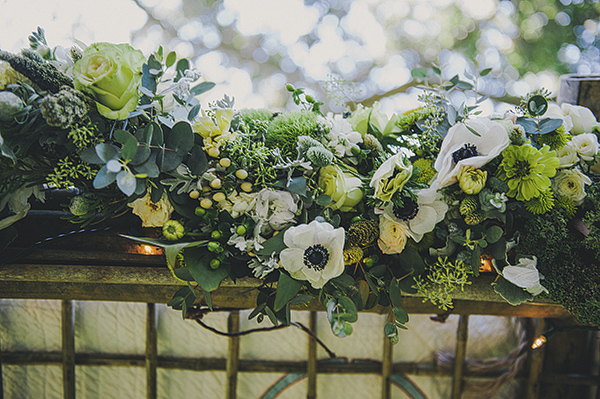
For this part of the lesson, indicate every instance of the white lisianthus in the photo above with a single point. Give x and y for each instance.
(392, 235)
(153, 214)
(275, 209)
(341, 138)
(491, 141)
(525, 275)
(571, 183)
(586, 145)
(567, 155)
(583, 119)
(314, 252)
(391, 176)
(238, 204)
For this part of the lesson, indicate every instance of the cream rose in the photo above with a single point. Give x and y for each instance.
(111, 74)
(391, 176)
(153, 214)
(392, 235)
(586, 145)
(571, 183)
(343, 188)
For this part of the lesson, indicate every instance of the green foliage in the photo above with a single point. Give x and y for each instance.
(284, 130)
(441, 282)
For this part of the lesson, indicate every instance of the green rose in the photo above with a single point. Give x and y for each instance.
(361, 117)
(111, 73)
(342, 187)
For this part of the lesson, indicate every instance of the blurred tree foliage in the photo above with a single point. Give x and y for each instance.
(375, 43)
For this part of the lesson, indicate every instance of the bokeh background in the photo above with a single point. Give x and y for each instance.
(251, 49)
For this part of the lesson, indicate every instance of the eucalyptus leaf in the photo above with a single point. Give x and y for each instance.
(182, 66)
(323, 200)
(395, 294)
(129, 149)
(197, 161)
(106, 152)
(493, 234)
(400, 314)
(148, 167)
(126, 182)
(141, 155)
(180, 138)
(548, 125)
(207, 298)
(510, 292)
(104, 178)
(202, 88)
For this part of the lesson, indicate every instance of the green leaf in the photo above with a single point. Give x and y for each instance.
(197, 161)
(171, 58)
(323, 200)
(180, 138)
(419, 73)
(149, 168)
(176, 302)
(400, 315)
(406, 285)
(350, 313)
(202, 88)
(271, 315)
(300, 299)
(106, 152)
(493, 234)
(184, 274)
(510, 292)
(193, 112)
(273, 245)
(476, 260)
(182, 65)
(390, 330)
(207, 298)
(499, 249)
(197, 261)
(104, 178)
(411, 260)
(122, 136)
(395, 294)
(129, 149)
(548, 125)
(126, 182)
(89, 155)
(296, 185)
(141, 155)
(485, 72)
(537, 105)
(287, 288)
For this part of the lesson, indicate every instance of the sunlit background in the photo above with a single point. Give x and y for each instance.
(251, 49)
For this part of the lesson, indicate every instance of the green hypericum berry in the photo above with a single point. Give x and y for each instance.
(199, 211)
(215, 263)
(216, 234)
(214, 246)
(241, 230)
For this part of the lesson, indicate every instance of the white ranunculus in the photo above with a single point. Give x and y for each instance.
(571, 183)
(525, 275)
(567, 156)
(583, 119)
(314, 252)
(490, 142)
(586, 145)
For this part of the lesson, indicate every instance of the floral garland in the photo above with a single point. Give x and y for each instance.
(351, 209)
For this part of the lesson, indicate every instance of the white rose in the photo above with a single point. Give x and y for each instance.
(583, 119)
(586, 145)
(276, 207)
(567, 156)
(571, 183)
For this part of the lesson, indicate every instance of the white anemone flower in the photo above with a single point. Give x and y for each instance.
(491, 140)
(525, 275)
(430, 209)
(314, 252)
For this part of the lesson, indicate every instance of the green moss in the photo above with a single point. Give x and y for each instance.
(254, 120)
(284, 130)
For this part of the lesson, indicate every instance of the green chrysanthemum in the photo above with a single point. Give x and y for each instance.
(541, 204)
(284, 130)
(425, 171)
(527, 170)
(363, 233)
(352, 255)
(566, 204)
(408, 119)
(556, 139)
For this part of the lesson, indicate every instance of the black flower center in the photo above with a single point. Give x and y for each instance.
(316, 257)
(408, 211)
(467, 151)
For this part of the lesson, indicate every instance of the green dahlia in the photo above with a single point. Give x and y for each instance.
(527, 170)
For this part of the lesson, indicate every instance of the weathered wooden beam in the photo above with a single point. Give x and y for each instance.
(151, 352)
(462, 333)
(68, 349)
(535, 363)
(233, 356)
(311, 368)
(386, 368)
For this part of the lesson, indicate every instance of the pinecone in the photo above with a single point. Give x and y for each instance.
(363, 233)
(469, 205)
